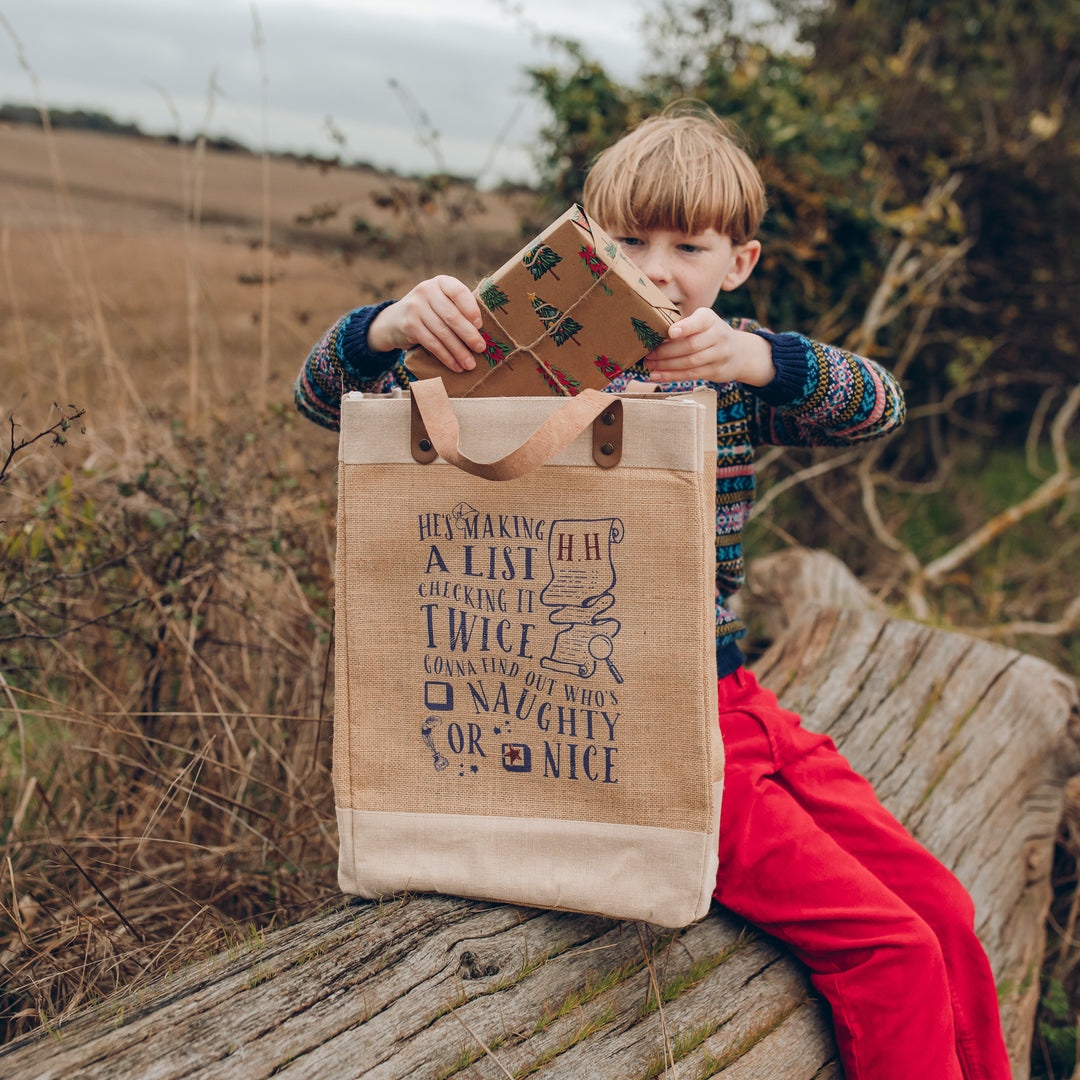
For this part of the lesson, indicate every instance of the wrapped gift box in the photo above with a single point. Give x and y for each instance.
(569, 311)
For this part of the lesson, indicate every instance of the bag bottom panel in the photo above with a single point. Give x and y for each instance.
(661, 876)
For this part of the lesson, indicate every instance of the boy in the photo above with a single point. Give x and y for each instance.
(807, 852)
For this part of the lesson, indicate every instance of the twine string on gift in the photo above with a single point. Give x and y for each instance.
(530, 348)
(551, 374)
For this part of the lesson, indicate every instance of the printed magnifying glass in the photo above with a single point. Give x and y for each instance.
(601, 648)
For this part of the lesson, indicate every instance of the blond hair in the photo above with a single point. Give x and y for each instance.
(684, 169)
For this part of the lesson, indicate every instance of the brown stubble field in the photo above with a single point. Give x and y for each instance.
(166, 586)
(83, 212)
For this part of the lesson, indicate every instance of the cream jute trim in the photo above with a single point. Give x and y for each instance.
(663, 876)
(657, 434)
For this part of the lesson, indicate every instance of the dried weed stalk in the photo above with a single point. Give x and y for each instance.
(74, 259)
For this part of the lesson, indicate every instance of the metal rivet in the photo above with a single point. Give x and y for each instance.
(425, 445)
(608, 418)
(607, 449)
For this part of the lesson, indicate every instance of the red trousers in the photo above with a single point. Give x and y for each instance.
(808, 854)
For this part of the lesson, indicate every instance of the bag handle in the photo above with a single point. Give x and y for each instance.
(435, 432)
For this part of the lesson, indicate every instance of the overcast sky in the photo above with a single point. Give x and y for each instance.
(460, 61)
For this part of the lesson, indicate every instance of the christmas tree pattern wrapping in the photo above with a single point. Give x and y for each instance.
(568, 311)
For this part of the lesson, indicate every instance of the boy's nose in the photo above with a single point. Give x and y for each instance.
(656, 266)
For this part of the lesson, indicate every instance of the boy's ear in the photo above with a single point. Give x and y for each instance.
(744, 257)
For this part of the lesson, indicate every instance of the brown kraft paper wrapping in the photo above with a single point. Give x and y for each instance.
(568, 312)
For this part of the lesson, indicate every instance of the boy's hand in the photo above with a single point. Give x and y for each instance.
(440, 314)
(703, 346)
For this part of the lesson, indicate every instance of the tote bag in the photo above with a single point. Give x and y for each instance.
(525, 669)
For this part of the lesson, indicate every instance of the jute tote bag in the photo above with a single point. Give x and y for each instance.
(525, 686)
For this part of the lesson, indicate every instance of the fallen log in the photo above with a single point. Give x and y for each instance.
(967, 742)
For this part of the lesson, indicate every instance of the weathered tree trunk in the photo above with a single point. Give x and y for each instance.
(968, 743)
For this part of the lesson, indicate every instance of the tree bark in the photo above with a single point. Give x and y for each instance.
(968, 743)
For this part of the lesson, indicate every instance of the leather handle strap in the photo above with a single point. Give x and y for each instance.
(435, 430)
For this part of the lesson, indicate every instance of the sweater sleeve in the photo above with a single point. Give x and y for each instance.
(342, 361)
(822, 395)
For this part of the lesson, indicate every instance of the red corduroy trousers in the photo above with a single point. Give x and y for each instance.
(808, 854)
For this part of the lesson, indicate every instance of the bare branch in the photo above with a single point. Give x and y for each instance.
(1065, 625)
(891, 281)
(56, 430)
(928, 279)
(801, 477)
(877, 524)
(1060, 425)
(915, 338)
(1038, 421)
(1055, 488)
(976, 386)
(911, 271)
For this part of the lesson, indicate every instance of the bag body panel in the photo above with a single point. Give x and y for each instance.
(468, 638)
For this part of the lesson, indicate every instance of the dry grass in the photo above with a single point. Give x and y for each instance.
(166, 709)
(165, 577)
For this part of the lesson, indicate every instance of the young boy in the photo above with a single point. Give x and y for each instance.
(807, 852)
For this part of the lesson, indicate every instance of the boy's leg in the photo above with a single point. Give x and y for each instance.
(828, 789)
(883, 964)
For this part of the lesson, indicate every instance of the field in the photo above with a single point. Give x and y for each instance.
(153, 237)
(165, 606)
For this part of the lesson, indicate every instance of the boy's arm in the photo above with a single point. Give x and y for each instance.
(441, 315)
(798, 392)
(342, 361)
(363, 349)
(821, 395)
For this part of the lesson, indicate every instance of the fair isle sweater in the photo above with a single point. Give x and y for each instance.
(821, 396)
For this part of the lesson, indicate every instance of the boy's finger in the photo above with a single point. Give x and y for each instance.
(683, 328)
(463, 300)
(694, 323)
(443, 342)
(670, 375)
(671, 350)
(459, 321)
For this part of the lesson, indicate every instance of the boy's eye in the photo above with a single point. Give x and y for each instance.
(627, 241)
(689, 247)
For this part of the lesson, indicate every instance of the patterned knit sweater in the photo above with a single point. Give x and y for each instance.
(821, 396)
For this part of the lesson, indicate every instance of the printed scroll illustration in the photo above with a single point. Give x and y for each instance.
(579, 593)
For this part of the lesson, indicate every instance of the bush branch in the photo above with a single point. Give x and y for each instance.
(58, 431)
(1057, 486)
